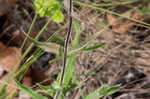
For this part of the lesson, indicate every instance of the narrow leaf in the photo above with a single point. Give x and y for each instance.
(102, 91)
(29, 91)
(46, 46)
(76, 28)
(94, 47)
(48, 89)
(57, 39)
(33, 40)
(51, 47)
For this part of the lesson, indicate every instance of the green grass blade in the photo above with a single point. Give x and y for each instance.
(94, 47)
(26, 65)
(57, 39)
(51, 47)
(46, 46)
(48, 89)
(79, 47)
(37, 43)
(102, 91)
(29, 31)
(111, 12)
(114, 3)
(3, 93)
(127, 2)
(29, 91)
(29, 48)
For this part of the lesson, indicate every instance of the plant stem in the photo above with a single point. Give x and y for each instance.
(36, 38)
(30, 47)
(29, 31)
(65, 49)
(66, 44)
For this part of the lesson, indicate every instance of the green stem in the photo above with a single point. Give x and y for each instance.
(114, 3)
(38, 52)
(30, 47)
(65, 49)
(36, 38)
(29, 31)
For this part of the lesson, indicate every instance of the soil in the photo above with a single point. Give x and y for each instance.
(125, 59)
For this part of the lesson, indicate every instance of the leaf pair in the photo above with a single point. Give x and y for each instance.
(29, 91)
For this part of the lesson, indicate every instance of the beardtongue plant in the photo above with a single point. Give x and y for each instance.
(65, 83)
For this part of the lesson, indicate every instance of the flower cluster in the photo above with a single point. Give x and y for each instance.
(50, 8)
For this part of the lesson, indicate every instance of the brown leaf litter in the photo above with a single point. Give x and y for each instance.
(123, 25)
(9, 58)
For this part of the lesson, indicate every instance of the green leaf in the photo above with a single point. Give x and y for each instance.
(76, 28)
(58, 16)
(69, 77)
(102, 91)
(37, 43)
(3, 93)
(81, 46)
(50, 8)
(29, 91)
(57, 40)
(94, 47)
(51, 47)
(48, 89)
(70, 65)
(46, 46)
(3, 89)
